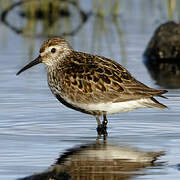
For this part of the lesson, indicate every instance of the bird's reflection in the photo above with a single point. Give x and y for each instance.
(98, 160)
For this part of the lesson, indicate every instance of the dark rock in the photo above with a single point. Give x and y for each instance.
(162, 55)
(165, 43)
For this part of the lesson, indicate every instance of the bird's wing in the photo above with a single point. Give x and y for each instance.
(97, 79)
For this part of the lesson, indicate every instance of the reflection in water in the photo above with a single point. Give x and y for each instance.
(166, 73)
(44, 18)
(178, 167)
(134, 26)
(99, 161)
(102, 35)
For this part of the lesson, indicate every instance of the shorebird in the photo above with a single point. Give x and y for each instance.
(92, 84)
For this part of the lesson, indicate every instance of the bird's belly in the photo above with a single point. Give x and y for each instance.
(111, 108)
(100, 108)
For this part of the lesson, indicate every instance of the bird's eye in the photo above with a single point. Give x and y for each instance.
(53, 50)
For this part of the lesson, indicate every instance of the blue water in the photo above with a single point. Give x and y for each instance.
(35, 128)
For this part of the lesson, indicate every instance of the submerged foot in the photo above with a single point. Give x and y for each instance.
(102, 129)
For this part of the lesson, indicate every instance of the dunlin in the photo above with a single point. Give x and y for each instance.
(92, 84)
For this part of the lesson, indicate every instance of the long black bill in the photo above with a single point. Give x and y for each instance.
(32, 63)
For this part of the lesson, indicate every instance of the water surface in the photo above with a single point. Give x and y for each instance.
(35, 128)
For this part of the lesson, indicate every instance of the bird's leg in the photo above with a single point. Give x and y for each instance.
(98, 120)
(104, 125)
(105, 121)
(101, 129)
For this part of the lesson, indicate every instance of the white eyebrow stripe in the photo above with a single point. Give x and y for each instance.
(49, 49)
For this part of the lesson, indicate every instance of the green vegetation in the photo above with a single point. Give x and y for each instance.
(48, 18)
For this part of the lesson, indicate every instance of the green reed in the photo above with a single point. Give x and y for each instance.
(171, 4)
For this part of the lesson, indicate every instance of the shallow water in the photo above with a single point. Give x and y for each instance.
(35, 128)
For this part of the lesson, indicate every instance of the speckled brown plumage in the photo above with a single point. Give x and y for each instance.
(97, 79)
(92, 84)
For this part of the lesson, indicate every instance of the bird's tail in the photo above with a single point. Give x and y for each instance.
(153, 103)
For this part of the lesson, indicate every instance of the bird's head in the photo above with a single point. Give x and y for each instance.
(51, 52)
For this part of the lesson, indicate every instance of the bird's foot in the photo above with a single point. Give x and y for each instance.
(102, 129)
(105, 122)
